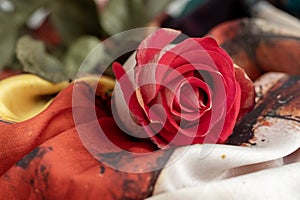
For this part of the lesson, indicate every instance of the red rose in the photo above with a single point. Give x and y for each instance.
(181, 93)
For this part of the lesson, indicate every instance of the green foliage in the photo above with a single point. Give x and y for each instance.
(73, 19)
(121, 15)
(11, 21)
(80, 25)
(77, 52)
(32, 54)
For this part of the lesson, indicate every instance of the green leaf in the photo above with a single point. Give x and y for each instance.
(32, 55)
(12, 20)
(75, 18)
(77, 52)
(121, 15)
(8, 39)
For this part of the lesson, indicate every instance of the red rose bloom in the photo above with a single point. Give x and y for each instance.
(181, 93)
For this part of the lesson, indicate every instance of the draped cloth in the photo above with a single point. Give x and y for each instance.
(44, 157)
(267, 167)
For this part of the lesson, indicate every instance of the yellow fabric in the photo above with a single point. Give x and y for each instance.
(24, 96)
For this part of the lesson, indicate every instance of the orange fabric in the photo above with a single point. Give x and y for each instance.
(44, 158)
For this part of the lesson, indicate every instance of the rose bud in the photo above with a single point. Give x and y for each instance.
(180, 91)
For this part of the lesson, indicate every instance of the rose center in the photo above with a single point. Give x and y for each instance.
(192, 99)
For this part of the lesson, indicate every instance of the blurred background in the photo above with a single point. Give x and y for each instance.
(51, 38)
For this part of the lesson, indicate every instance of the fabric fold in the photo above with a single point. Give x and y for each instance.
(264, 166)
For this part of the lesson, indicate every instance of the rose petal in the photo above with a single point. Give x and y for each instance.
(129, 93)
(147, 81)
(153, 44)
(247, 89)
(187, 48)
(191, 103)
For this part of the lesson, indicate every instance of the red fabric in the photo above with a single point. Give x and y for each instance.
(7, 73)
(44, 158)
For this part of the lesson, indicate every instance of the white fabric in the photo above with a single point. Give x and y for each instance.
(262, 171)
(277, 183)
(270, 169)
